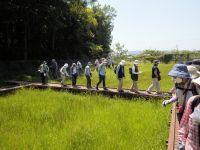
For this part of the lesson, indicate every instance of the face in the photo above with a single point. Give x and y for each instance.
(177, 80)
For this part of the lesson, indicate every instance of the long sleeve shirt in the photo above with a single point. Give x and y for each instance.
(101, 70)
(87, 71)
(63, 70)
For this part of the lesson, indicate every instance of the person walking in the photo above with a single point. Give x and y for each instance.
(134, 76)
(54, 69)
(79, 67)
(155, 78)
(74, 74)
(44, 70)
(88, 74)
(96, 64)
(64, 74)
(102, 74)
(120, 75)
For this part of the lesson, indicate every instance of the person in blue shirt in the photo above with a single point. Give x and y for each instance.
(102, 74)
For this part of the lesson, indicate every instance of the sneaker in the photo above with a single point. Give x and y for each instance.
(121, 91)
(158, 93)
(148, 92)
(105, 88)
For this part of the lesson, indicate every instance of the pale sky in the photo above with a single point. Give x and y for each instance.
(156, 24)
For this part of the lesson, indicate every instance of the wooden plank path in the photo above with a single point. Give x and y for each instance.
(173, 132)
(110, 92)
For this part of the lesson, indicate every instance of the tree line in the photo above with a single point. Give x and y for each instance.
(60, 29)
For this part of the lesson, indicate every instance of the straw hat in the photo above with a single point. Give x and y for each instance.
(179, 70)
(193, 71)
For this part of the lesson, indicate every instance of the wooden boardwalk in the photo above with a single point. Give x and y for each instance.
(110, 92)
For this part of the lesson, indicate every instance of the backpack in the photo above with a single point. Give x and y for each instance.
(115, 70)
(130, 70)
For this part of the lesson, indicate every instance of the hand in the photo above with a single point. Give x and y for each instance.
(165, 102)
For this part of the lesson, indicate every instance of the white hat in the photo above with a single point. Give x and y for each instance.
(136, 62)
(197, 80)
(66, 65)
(122, 62)
(193, 71)
(105, 61)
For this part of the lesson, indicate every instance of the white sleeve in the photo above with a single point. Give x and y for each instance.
(133, 70)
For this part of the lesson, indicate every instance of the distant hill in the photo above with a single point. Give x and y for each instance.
(137, 52)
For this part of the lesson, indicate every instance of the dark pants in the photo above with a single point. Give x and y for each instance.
(74, 77)
(88, 81)
(43, 78)
(179, 116)
(54, 74)
(101, 78)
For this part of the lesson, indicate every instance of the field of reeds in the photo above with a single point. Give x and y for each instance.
(45, 119)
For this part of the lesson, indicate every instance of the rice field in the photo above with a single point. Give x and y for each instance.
(34, 119)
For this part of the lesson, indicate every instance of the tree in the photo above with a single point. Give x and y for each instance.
(120, 51)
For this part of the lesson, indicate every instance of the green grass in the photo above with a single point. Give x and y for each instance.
(144, 78)
(33, 119)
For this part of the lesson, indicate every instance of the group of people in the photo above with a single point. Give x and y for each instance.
(186, 92)
(75, 70)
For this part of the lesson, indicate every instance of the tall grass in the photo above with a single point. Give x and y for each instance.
(33, 119)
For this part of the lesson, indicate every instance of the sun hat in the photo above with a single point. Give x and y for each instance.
(136, 62)
(197, 80)
(156, 61)
(179, 70)
(193, 71)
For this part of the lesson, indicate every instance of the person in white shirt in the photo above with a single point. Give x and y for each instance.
(134, 76)
(74, 73)
(64, 74)
(88, 75)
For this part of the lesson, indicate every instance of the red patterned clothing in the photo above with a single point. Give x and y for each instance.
(193, 139)
(184, 126)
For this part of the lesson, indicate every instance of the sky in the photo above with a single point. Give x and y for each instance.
(156, 24)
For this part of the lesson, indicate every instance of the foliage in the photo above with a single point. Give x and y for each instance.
(119, 51)
(33, 119)
(58, 29)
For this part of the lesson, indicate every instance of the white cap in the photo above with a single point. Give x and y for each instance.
(136, 62)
